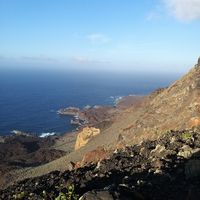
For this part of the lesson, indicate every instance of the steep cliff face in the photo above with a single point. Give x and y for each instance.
(85, 136)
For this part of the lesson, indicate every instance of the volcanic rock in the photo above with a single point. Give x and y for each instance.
(85, 136)
(136, 172)
(97, 195)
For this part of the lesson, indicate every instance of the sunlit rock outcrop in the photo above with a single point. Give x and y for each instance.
(85, 136)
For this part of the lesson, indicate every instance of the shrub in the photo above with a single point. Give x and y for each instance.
(186, 136)
(71, 195)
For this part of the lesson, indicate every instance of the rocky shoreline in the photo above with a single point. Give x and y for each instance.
(94, 115)
(168, 168)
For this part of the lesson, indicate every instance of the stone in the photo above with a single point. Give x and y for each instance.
(158, 171)
(157, 163)
(160, 152)
(97, 195)
(85, 136)
(186, 151)
(173, 139)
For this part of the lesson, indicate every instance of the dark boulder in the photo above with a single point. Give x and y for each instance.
(97, 195)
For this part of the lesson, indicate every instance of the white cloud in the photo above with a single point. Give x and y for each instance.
(98, 38)
(184, 10)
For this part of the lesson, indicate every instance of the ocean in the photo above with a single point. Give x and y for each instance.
(29, 100)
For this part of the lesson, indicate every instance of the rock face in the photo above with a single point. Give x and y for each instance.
(151, 170)
(198, 63)
(85, 136)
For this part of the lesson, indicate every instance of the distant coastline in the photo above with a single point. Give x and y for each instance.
(89, 115)
(32, 106)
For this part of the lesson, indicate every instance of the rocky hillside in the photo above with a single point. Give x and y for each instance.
(19, 151)
(176, 107)
(167, 168)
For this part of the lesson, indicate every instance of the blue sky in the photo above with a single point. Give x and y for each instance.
(128, 35)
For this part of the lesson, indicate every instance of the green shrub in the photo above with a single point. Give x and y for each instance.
(186, 136)
(20, 195)
(70, 195)
(61, 196)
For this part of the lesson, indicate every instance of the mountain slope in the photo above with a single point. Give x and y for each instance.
(176, 107)
(168, 168)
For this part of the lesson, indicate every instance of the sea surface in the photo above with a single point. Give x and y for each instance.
(29, 99)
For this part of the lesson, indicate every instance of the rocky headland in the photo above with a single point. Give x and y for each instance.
(100, 116)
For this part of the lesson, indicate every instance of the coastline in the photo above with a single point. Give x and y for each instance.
(94, 115)
(31, 150)
(86, 116)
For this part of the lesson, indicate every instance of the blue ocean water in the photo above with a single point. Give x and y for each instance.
(29, 100)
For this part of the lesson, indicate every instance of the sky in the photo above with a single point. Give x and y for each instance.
(115, 35)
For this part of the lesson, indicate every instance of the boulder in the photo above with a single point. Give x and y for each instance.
(97, 195)
(186, 151)
(160, 152)
(85, 136)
